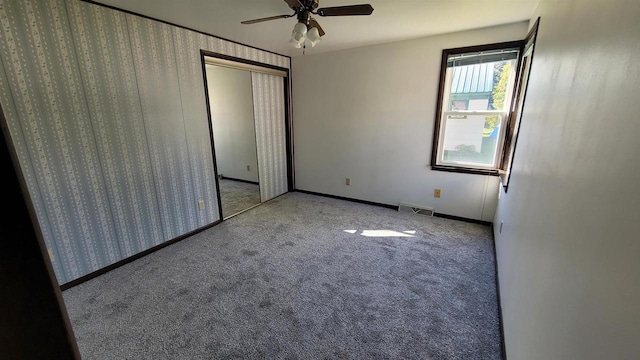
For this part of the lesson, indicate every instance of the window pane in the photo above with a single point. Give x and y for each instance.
(471, 139)
(485, 56)
(478, 104)
(481, 86)
(475, 95)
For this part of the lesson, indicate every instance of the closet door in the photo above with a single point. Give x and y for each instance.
(269, 113)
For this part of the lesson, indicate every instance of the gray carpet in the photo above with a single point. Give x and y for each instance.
(237, 196)
(286, 281)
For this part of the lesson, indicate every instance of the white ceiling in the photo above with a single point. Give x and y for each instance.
(391, 20)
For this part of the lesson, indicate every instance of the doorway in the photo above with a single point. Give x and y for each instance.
(248, 108)
(233, 123)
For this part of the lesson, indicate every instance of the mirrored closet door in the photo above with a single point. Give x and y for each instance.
(247, 103)
(234, 138)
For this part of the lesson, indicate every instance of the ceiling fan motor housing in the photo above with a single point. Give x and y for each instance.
(304, 12)
(304, 16)
(307, 4)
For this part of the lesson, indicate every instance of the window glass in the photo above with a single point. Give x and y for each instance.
(465, 141)
(476, 98)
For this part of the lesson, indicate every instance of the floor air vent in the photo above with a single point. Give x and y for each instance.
(403, 207)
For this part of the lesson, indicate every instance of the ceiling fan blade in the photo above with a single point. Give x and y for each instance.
(314, 24)
(247, 22)
(294, 3)
(364, 9)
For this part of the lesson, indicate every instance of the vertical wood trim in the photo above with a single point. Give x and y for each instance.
(35, 320)
(213, 146)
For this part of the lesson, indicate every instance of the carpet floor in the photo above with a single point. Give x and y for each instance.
(237, 196)
(300, 277)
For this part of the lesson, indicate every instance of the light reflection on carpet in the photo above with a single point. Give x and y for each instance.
(383, 233)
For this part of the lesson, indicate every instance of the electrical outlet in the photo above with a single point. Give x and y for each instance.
(437, 193)
(348, 182)
(248, 168)
(201, 205)
(500, 231)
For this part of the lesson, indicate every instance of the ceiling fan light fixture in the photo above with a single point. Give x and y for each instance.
(307, 27)
(296, 44)
(313, 35)
(297, 35)
(300, 29)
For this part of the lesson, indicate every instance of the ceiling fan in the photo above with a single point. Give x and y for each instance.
(307, 27)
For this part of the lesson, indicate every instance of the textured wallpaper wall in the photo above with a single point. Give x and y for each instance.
(269, 114)
(108, 115)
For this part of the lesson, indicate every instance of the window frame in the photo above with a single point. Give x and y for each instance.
(518, 102)
(437, 135)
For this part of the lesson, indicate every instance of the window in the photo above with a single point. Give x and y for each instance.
(513, 127)
(474, 104)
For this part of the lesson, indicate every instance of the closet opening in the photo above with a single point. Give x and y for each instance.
(248, 107)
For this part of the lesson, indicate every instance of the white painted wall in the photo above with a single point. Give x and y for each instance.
(231, 101)
(368, 114)
(569, 251)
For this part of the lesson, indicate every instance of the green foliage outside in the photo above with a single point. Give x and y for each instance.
(501, 78)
